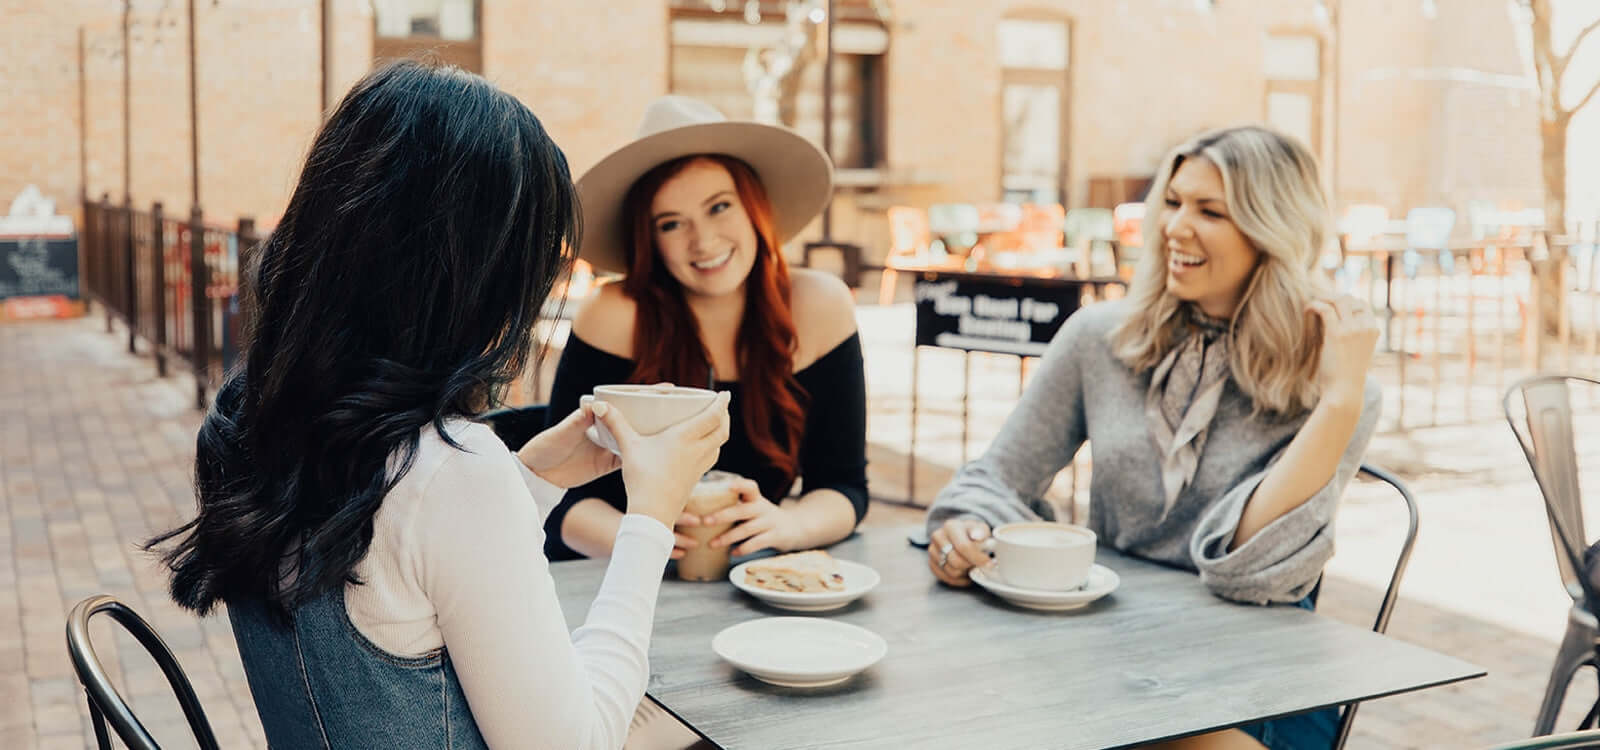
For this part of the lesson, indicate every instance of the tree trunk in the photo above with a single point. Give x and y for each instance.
(1548, 292)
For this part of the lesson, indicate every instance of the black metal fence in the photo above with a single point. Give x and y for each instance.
(176, 294)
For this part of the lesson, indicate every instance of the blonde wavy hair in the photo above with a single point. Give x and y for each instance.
(1276, 200)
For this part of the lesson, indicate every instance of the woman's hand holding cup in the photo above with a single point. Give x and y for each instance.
(955, 548)
(659, 470)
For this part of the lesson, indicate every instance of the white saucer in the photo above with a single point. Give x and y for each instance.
(800, 652)
(858, 580)
(1102, 581)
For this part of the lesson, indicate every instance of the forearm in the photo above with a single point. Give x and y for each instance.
(590, 527)
(821, 517)
(1307, 465)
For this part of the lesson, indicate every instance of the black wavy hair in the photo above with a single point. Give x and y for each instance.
(430, 222)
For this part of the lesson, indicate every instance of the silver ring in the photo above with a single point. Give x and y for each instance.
(944, 553)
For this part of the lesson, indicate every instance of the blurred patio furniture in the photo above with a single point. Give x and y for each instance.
(954, 227)
(105, 703)
(1392, 594)
(909, 248)
(1127, 221)
(1544, 430)
(1090, 230)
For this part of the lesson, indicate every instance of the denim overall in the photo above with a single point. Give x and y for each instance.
(318, 683)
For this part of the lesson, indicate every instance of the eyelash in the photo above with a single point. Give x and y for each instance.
(716, 208)
(1208, 212)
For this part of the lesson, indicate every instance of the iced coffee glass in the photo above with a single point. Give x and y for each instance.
(712, 493)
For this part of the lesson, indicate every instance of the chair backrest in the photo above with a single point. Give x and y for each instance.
(1392, 594)
(908, 231)
(1568, 741)
(105, 703)
(1546, 436)
(516, 425)
(1429, 227)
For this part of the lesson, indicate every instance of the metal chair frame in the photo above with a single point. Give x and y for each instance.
(1546, 438)
(1572, 741)
(516, 425)
(105, 703)
(1392, 594)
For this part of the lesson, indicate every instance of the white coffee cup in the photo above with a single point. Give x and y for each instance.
(649, 409)
(1042, 555)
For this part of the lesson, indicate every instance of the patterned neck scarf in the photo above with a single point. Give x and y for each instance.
(1185, 389)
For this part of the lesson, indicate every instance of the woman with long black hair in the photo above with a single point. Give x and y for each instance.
(379, 552)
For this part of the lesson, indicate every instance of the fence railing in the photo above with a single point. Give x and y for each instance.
(177, 295)
(1462, 323)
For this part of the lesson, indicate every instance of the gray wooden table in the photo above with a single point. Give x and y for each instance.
(1160, 658)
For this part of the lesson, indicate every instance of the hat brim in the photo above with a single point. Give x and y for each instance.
(797, 176)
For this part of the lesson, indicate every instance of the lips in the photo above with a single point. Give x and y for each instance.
(713, 263)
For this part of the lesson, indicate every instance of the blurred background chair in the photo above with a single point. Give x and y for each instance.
(954, 227)
(1092, 233)
(908, 247)
(1127, 222)
(1543, 427)
(105, 703)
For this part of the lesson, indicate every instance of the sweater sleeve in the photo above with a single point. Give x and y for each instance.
(1282, 562)
(582, 367)
(833, 452)
(1044, 431)
(527, 681)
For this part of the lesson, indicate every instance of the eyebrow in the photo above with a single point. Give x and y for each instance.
(1200, 200)
(714, 196)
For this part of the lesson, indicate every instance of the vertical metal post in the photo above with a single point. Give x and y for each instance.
(966, 396)
(102, 247)
(911, 451)
(130, 285)
(200, 311)
(194, 117)
(327, 55)
(83, 123)
(127, 101)
(158, 275)
(827, 114)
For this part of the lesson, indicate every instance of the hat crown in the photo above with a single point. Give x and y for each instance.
(669, 112)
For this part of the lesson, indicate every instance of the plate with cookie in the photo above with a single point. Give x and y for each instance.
(811, 581)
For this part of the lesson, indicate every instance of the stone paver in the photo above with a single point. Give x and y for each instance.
(95, 455)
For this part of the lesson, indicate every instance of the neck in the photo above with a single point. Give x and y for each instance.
(719, 313)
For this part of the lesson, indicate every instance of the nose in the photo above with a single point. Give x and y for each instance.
(1178, 224)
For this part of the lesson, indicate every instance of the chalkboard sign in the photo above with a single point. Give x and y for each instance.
(1003, 315)
(35, 266)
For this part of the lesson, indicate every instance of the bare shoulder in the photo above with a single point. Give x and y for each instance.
(606, 321)
(824, 313)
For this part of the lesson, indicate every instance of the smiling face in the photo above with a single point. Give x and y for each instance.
(702, 233)
(1209, 261)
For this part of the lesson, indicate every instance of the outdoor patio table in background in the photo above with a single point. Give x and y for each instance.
(1159, 658)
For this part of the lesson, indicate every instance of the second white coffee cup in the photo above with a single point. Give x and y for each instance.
(1042, 555)
(649, 409)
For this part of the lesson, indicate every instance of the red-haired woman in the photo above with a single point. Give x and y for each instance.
(694, 212)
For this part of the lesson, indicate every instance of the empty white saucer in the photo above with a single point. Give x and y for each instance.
(800, 652)
(1102, 581)
(858, 580)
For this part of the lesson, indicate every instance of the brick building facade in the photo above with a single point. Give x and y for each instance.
(1430, 110)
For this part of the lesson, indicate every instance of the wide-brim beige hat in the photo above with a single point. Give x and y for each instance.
(796, 174)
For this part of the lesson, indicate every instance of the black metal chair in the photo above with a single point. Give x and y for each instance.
(516, 425)
(1391, 595)
(105, 703)
(1571, 741)
(1547, 439)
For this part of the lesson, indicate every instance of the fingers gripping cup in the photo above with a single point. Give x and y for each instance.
(649, 409)
(714, 492)
(1042, 555)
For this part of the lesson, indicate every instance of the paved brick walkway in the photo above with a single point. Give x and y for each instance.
(95, 454)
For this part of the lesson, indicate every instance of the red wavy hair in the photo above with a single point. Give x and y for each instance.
(667, 345)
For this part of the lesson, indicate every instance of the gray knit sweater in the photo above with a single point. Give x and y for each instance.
(1081, 391)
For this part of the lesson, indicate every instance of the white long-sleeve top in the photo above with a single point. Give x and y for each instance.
(457, 561)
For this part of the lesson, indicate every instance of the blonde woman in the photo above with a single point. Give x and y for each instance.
(1226, 398)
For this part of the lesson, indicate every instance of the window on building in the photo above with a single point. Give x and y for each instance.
(1034, 55)
(1293, 67)
(446, 28)
(721, 52)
